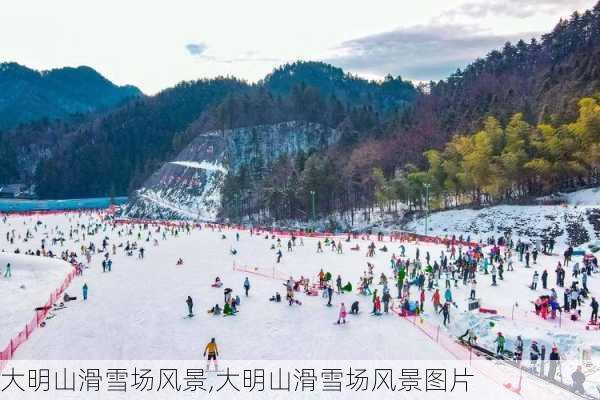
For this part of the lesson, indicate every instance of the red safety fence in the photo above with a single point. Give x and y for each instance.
(259, 230)
(436, 334)
(8, 353)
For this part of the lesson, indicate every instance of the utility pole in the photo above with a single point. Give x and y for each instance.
(427, 186)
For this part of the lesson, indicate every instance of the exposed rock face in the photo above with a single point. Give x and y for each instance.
(190, 185)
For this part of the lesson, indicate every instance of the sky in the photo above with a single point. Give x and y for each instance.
(156, 44)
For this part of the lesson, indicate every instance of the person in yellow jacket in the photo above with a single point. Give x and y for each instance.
(213, 351)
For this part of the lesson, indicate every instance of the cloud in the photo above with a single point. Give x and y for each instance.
(200, 50)
(421, 52)
(513, 8)
(196, 49)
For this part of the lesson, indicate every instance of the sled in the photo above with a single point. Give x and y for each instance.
(488, 311)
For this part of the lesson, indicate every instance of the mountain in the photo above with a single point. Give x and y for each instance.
(114, 152)
(28, 95)
(385, 96)
(372, 136)
(191, 185)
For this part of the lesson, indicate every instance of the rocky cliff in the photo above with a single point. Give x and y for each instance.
(189, 186)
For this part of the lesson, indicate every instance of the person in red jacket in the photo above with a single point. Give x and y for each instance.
(436, 300)
(377, 310)
(422, 299)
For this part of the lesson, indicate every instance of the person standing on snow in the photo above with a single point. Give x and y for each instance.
(7, 271)
(554, 359)
(534, 281)
(500, 347)
(545, 279)
(213, 352)
(436, 299)
(190, 305)
(342, 314)
(246, 285)
(386, 301)
(338, 283)
(594, 316)
(85, 291)
(329, 290)
(445, 311)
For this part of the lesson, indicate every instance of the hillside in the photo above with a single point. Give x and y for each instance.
(132, 142)
(28, 95)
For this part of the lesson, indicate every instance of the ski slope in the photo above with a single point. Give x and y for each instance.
(137, 311)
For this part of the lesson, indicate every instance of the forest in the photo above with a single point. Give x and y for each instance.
(500, 130)
(516, 123)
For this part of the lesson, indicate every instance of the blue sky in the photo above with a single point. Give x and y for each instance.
(155, 44)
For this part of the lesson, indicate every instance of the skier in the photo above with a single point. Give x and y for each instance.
(342, 314)
(246, 285)
(213, 352)
(534, 281)
(190, 305)
(279, 255)
(354, 308)
(85, 291)
(446, 313)
(594, 306)
(7, 271)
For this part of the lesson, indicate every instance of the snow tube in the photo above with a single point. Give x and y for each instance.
(347, 288)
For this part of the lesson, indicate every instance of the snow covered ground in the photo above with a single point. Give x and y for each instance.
(137, 311)
(575, 221)
(32, 281)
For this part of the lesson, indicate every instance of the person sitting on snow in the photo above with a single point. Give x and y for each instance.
(228, 309)
(354, 308)
(216, 310)
(66, 297)
(276, 298)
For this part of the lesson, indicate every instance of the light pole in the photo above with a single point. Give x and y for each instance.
(312, 193)
(427, 186)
